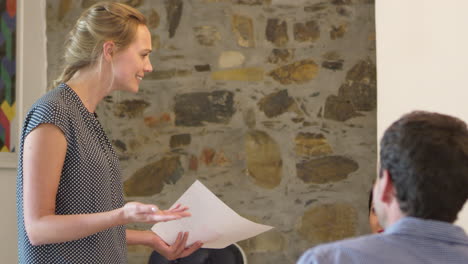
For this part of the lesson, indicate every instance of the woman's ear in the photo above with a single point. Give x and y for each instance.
(108, 49)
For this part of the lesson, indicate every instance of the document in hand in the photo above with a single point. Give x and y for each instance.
(212, 221)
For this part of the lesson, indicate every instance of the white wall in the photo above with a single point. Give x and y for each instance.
(31, 79)
(422, 60)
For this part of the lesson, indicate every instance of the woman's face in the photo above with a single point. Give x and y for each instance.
(374, 221)
(131, 64)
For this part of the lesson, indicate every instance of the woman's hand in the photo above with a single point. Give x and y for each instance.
(150, 213)
(176, 250)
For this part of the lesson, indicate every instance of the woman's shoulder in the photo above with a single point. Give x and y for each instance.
(57, 99)
(53, 107)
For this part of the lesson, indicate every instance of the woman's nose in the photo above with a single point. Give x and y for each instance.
(148, 67)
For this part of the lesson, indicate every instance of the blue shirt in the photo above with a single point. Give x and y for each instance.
(410, 240)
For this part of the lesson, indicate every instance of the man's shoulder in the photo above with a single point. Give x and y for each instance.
(344, 251)
(398, 246)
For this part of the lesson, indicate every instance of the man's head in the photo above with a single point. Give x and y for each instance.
(423, 168)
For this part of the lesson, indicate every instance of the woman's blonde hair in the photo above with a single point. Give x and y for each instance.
(101, 22)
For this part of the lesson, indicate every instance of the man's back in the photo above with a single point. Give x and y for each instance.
(410, 240)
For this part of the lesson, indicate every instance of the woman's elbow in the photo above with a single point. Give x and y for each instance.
(35, 236)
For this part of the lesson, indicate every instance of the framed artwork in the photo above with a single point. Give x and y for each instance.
(9, 125)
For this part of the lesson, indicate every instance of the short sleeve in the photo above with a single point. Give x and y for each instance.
(46, 113)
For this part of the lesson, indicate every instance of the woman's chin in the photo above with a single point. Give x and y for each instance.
(131, 89)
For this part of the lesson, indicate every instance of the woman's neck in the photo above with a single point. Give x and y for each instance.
(89, 87)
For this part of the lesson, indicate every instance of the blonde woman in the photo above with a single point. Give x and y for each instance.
(70, 202)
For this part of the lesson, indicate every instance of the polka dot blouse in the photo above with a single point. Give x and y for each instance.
(90, 182)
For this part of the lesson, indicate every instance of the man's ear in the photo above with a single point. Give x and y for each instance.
(387, 194)
(108, 50)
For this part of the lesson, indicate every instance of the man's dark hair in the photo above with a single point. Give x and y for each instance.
(426, 155)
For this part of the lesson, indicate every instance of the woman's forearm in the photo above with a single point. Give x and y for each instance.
(137, 237)
(61, 228)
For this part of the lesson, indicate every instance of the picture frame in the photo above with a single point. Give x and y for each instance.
(10, 90)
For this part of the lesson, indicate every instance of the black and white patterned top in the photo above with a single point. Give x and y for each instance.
(90, 182)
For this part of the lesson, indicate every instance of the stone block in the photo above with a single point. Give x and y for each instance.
(276, 104)
(342, 2)
(361, 86)
(154, 121)
(207, 35)
(326, 169)
(239, 74)
(277, 32)
(130, 108)
(180, 140)
(167, 74)
(298, 72)
(207, 156)
(312, 144)
(316, 7)
(193, 163)
(242, 27)
(119, 145)
(194, 109)
(264, 163)
(150, 179)
(358, 93)
(333, 65)
(202, 68)
(231, 59)
(174, 12)
(328, 222)
(309, 31)
(339, 108)
(281, 55)
(338, 31)
(251, 2)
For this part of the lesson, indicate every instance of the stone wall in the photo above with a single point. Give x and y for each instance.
(270, 103)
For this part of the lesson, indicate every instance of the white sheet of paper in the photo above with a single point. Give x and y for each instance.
(212, 221)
